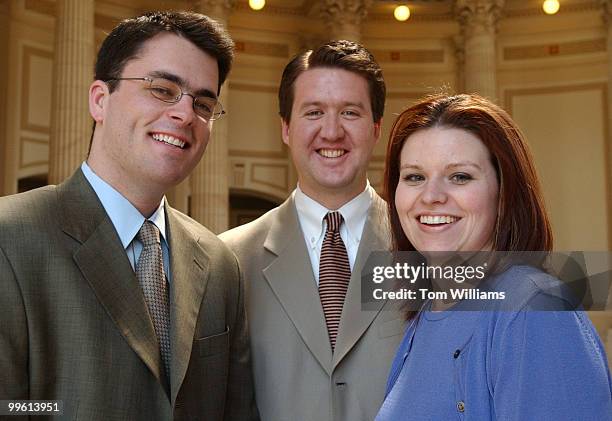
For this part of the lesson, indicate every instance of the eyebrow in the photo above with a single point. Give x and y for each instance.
(449, 166)
(344, 104)
(181, 82)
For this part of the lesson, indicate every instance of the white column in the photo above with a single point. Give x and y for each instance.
(478, 19)
(72, 74)
(343, 18)
(209, 181)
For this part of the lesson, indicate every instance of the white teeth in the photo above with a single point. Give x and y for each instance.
(331, 153)
(169, 140)
(432, 220)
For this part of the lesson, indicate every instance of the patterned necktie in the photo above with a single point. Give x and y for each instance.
(334, 275)
(152, 279)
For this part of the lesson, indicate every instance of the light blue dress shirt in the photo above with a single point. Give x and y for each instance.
(127, 220)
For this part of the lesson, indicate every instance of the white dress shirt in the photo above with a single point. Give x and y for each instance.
(311, 214)
(126, 219)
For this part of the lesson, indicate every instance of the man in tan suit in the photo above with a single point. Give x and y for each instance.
(307, 365)
(113, 302)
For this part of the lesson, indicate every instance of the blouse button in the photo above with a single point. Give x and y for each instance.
(456, 354)
(460, 406)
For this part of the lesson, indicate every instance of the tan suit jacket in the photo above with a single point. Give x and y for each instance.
(296, 375)
(75, 326)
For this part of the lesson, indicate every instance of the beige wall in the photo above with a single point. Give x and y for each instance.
(552, 76)
(4, 64)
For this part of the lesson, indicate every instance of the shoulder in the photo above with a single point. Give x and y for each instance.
(24, 211)
(530, 288)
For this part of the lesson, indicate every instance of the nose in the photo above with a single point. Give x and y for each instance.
(434, 192)
(332, 128)
(182, 111)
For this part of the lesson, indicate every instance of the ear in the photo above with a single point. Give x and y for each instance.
(98, 96)
(377, 129)
(285, 131)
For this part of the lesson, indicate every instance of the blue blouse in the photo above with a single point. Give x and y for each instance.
(514, 364)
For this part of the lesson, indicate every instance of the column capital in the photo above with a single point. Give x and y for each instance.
(343, 13)
(478, 16)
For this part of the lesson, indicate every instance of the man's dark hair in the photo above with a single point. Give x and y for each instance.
(126, 40)
(347, 55)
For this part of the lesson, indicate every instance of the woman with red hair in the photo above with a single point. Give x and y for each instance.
(460, 178)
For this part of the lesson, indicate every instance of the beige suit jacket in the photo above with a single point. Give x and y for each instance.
(75, 326)
(296, 375)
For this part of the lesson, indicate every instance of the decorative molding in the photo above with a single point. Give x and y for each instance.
(596, 86)
(238, 174)
(283, 186)
(26, 53)
(302, 11)
(527, 52)
(44, 7)
(409, 56)
(22, 163)
(509, 94)
(419, 18)
(565, 8)
(262, 48)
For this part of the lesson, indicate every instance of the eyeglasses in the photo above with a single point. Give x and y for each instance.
(207, 108)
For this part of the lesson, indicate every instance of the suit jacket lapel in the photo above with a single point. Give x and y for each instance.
(189, 264)
(290, 277)
(104, 264)
(355, 321)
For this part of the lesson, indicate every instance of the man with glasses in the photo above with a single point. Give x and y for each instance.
(113, 303)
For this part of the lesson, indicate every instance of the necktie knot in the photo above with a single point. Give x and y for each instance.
(334, 220)
(148, 234)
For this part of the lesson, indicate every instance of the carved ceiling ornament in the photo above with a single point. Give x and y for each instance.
(344, 12)
(478, 16)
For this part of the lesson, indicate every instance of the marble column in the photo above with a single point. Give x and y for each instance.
(209, 181)
(607, 18)
(478, 19)
(72, 75)
(343, 18)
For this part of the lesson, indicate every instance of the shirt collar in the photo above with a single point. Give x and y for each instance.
(126, 219)
(312, 212)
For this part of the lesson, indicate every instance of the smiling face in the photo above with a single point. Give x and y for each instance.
(143, 146)
(331, 134)
(447, 195)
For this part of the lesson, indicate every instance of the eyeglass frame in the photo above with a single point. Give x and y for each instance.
(177, 98)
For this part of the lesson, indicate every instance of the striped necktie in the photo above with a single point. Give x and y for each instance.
(152, 278)
(334, 275)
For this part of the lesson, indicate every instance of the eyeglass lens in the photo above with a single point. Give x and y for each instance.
(167, 91)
